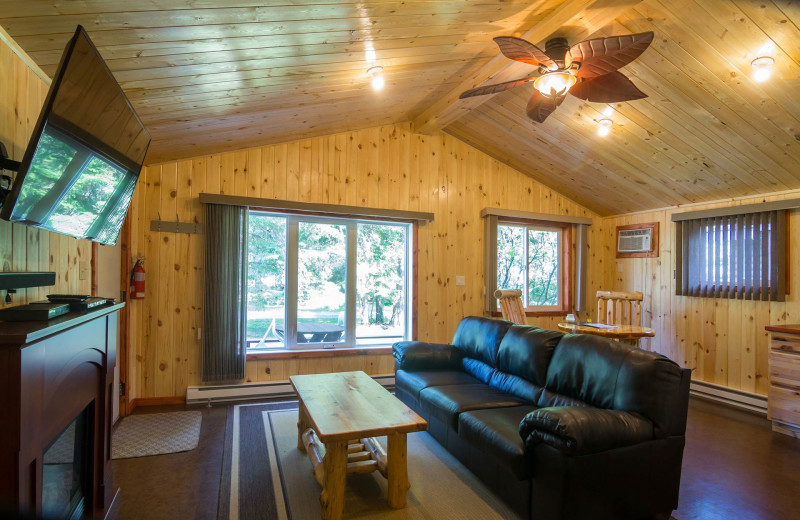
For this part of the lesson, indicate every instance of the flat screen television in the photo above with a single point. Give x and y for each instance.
(80, 168)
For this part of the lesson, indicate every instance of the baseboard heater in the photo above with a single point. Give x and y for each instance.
(729, 396)
(253, 391)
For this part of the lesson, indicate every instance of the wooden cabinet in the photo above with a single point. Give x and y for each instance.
(784, 379)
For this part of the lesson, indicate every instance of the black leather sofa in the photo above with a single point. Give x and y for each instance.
(560, 426)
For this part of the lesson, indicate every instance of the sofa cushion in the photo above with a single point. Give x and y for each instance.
(495, 432)
(415, 382)
(526, 352)
(612, 375)
(447, 402)
(479, 338)
(585, 367)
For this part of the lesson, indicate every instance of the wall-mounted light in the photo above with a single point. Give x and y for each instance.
(604, 127)
(762, 68)
(377, 77)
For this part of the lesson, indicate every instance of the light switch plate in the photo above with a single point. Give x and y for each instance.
(619, 267)
(461, 280)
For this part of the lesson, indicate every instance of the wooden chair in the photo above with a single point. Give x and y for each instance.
(511, 305)
(619, 308)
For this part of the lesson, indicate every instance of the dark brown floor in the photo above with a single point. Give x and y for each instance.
(734, 468)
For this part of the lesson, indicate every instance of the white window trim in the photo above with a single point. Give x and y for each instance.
(291, 283)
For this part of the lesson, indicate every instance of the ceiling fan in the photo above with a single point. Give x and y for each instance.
(587, 70)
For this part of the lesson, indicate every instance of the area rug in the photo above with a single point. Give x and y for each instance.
(156, 434)
(267, 477)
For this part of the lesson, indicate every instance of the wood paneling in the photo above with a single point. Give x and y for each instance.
(24, 248)
(706, 132)
(209, 76)
(723, 341)
(385, 167)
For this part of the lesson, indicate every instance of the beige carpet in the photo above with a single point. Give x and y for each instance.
(266, 477)
(441, 488)
(156, 434)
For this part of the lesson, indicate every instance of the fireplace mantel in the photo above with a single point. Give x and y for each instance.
(49, 373)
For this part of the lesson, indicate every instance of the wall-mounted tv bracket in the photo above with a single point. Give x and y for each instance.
(5, 180)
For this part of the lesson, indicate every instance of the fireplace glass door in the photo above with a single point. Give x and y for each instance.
(65, 473)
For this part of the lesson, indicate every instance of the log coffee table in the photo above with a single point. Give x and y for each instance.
(340, 416)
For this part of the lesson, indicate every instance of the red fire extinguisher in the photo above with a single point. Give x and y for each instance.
(137, 281)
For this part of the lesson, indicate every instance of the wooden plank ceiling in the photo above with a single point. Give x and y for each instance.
(214, 75)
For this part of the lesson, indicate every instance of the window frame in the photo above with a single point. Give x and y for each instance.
(350, 341)
(566, 268)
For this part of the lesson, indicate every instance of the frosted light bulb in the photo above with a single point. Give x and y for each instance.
(558, 81)
(762, 68)
(377, 82)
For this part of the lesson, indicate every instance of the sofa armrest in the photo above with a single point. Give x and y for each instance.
(581, 431)
(419, 355)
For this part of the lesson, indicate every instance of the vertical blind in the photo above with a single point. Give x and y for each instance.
(225, 302)
(733, 256)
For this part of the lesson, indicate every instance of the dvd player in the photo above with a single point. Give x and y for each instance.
(37, 311)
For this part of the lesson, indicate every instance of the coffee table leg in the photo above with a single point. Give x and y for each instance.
(397, 470)
(332, 497)
(302, 425)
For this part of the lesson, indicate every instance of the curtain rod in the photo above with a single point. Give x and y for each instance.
(547, 217)
(311, 207)
(737, 210)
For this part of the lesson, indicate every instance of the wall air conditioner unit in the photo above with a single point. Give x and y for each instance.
(635, 241)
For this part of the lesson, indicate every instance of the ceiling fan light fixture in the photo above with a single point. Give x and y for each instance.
(605, 127)
(558, 81)
(377, 77)
(762, 68)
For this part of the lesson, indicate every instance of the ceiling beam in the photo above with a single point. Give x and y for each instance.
(574, 20)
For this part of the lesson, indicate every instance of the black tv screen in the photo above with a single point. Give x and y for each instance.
(81, 165)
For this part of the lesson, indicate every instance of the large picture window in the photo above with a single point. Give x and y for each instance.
(317, 282)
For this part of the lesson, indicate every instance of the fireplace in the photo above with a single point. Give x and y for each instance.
(56, 382)
(66, 464)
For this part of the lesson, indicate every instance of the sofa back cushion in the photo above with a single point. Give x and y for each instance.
(526, 352)
(608, 374)
(479, 338)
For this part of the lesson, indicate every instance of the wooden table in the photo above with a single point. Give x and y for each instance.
(626, 333)
(320, 332)
(339, 417)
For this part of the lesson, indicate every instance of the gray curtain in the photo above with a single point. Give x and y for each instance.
(225, 302)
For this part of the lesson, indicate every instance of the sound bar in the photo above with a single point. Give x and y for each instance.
(25, 280)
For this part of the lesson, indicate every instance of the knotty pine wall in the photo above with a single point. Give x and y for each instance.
(723, 341)
(385, 167)
(24, 248)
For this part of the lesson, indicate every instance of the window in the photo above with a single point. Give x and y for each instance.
(732, 256)
(319, 282)
(534, 258)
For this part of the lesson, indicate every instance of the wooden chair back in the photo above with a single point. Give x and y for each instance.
(511, 305)
(619, 308)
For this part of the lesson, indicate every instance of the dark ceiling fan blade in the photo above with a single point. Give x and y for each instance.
(494, 89)
(524, 51)
(541, 106)
(613, 87)
(603, 55)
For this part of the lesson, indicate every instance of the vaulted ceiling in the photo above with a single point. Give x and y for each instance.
(214, 75)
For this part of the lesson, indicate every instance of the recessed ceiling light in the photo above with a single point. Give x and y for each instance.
(377, 77)
(605, 127)
(762, 68)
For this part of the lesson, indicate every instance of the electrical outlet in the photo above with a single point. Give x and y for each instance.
(460, 280)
